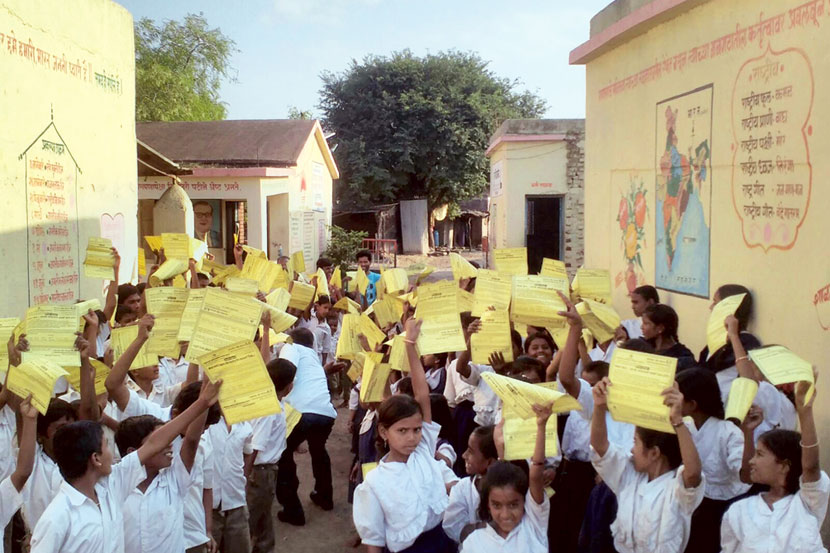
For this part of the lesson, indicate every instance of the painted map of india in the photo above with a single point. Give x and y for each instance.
(683, 192)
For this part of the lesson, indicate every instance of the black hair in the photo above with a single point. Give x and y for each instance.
(122, 311)
(132, 431)
(600, 368)
(57, 410)
(701, 386)
(405, 387)
(647, 292)
(323, 299)
(282, 373)
(786, 446)
(441, 414)
(125, 291)
(637, 344)
(467, 319)
(188, 396)
(501, 474)
(324, 262)
(662, 314)
(486, 442)
(392, 410)
(667, 443)
(525, 363)
(303, 337)
(516, 338)
(141, 286)
(540, 336)
(74, 444)
(744, 311)
(363, 253)
(102, 319)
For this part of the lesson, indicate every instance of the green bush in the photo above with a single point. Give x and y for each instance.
(344, 245)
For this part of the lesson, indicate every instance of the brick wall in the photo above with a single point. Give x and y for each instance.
(574, 255)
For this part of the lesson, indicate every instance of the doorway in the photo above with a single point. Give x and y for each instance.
(543, 229)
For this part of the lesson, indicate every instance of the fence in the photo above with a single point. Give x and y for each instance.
(384, 251)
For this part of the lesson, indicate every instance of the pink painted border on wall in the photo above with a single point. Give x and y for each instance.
(594, 46)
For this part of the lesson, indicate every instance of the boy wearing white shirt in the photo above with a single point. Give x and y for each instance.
(268, 442)
(232, 453)
(86, 515)
(11, 485)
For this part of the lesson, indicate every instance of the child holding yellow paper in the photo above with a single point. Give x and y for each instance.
(658, 487)
(11, 486)
(724, 358)
(641, 297)
(723, 455)
(788, 516)
(659, 328)
(514, 505)
(315, 319)
(401, 503)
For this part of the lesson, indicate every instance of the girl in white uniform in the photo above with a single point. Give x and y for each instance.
(787, 517)
(400, 504)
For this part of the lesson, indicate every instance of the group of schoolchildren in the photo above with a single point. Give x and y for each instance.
(152, 466)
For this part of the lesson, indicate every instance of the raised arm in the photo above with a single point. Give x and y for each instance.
(420, 388)
(599, 432)
(162, 437)
(88, 408)
(116, 388)
(190, 444)
(111, 301)
(194, 275)
(537, 462)
(809, 438)
(745, 366)
(570, 353)
(26, 443)
(462, 366)
(688, 452)
(265, 339)
(752, 421)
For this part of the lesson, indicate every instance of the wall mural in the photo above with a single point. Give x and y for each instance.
(684, 192)
(632, 217)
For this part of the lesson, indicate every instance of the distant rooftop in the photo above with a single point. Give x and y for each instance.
(243, 143)
(521, 130)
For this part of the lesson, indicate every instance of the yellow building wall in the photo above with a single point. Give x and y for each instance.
(528, 169)
(310, 204)
(67, 150)
(746, 81)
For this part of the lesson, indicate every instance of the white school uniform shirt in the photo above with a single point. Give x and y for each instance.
(321, 331)
(720, 445)
(529, 536)
(596, 354)
(160, 394)
(154, 519)
(791, 525)
(576, 438)
(137, 405)
(229, 448)
(73, 523)
(634, 327)
(10, 502)
(652, 517)
(172, 371)
(310, 393)
(269, 437)
(102, 340)
(201, 478)
(456, 390)
(487, 403)
(41, 487)
(8, 447)
(462, 508)
(619, 433)
(779, 411)
(447, 451)
(433, 377)
(399, 501)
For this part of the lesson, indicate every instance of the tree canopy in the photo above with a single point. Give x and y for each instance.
(179, 68)
(417, 127)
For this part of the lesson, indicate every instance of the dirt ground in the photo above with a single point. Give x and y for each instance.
(324, 532)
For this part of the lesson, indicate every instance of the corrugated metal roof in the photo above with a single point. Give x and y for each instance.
(266, 142)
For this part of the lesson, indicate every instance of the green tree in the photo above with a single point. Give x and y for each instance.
(179, 68)
(296, 113)
(417, 127)
(344, 245)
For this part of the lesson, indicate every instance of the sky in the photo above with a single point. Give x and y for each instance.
(284, 45)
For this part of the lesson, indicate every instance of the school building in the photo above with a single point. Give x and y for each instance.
(67, 150)
(536, 189)
(267, 183)
(705, 162)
